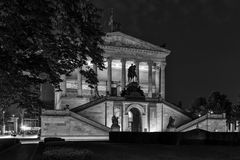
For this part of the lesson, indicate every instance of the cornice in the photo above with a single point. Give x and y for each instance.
(134, 53)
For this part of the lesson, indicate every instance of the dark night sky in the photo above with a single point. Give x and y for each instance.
(203, 35)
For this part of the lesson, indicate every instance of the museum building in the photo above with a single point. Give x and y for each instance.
(79, 113)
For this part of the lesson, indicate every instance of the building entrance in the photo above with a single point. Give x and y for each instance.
(135, 123)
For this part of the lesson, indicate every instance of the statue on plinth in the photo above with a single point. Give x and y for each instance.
(115, 126)
(132, 90)
(171, 126)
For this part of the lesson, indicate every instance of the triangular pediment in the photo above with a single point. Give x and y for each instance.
(119, 39)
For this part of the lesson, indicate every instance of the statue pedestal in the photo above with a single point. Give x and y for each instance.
(133, 91)
(171, 129)
(115, 128)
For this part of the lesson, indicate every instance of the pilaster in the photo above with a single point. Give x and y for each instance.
(123, 61)
(149, 78)
(163, 66)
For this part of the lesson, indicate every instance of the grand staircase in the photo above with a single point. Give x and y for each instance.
(89, 104)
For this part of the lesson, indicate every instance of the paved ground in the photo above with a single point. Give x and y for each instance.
(19, 152)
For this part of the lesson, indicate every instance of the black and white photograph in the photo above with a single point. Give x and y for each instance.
(119, 80)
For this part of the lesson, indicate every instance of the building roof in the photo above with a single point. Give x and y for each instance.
(121, 45)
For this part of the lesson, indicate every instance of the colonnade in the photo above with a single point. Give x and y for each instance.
(159, 77)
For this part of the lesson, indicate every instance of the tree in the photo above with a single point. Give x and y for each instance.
(46, 38)
(234, 114)
(219, 103)
(199, 106)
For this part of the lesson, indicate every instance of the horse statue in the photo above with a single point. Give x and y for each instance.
(132, 73)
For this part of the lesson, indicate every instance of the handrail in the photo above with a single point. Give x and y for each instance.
(200, 119)
(193, 122)
(89, 104)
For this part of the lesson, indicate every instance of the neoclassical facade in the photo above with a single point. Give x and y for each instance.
(120, 51)
(92, 117)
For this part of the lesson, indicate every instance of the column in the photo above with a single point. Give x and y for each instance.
(57, 102)
(150, 79)
(95, 90)
(157, 78)
(109, 76)
(237, 126)
(163, 65)
(79, 82)
(123, 73)
(137, 69)
(63, 85)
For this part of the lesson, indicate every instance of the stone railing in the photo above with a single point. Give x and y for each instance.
(200, 119)
(217, 116)
(89, 104)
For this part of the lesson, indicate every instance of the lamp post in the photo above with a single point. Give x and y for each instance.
(15, 125)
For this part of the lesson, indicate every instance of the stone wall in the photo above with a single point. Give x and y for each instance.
(65, 125)
(152, 107)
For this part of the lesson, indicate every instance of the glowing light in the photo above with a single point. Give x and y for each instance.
(24, 128)
(130, 116)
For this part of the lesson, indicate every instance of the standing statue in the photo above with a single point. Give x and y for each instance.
(171, 126)
(132, 73)
(114, 120)
(115, 126)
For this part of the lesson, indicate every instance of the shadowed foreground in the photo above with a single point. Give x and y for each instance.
(110, 151)
(19, 152)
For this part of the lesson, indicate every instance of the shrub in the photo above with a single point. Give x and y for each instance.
(53, 139)
(67, 154)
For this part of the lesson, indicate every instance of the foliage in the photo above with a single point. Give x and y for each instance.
(234, 114)
(199, 106)
(218, 103)
(41, 40)
(53, 139)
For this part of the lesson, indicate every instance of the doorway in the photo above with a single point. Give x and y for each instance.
(135, 122)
